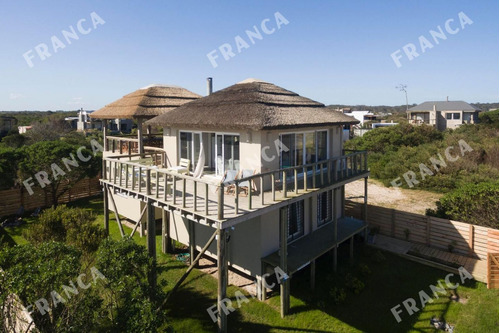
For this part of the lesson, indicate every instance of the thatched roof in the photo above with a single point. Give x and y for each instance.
(251, 105)
(147, 102)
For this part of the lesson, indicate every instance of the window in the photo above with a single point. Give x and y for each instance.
(454, 115)
(324, 207)
(295, 216)
(303, 148)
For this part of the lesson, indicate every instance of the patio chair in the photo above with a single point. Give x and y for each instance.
(247, 185)
(183, 166)
(230, 176)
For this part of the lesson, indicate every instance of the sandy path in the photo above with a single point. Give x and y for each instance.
(414, 201)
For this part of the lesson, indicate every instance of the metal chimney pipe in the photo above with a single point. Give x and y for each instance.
(447, 98)
(209, 86)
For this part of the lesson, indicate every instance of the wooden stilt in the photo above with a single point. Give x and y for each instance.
(106, 209)
(192, 241)
(284, 286)
(139, 222)
(342, 198)
(117, 216)
(190, 268)
(151, 241)
(222, 280)
(166, 242)
(313, 274)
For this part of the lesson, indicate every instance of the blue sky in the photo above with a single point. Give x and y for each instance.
(335, 52)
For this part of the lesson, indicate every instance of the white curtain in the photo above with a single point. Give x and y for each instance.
(198, 171)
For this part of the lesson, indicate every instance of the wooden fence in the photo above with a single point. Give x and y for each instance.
(493, 266)
(11, 200)
(463, 238)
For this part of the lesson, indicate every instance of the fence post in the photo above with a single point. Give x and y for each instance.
(471, 239)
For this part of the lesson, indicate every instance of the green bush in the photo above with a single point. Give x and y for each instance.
(337, 295)
(489, 118)
(354, 284)
(74, 226)
(472, 203)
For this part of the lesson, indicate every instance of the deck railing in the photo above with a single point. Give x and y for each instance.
(129, 144)
(145, 174)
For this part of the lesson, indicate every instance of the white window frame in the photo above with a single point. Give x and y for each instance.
(304, 143)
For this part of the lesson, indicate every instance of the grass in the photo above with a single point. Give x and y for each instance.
(388, 281)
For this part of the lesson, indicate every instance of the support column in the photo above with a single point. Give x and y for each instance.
(166, 242)
(342, 193)
(151, 240)
(192, 241)
(221, 280)
(313, 274)
(285, 285)
(139, 136)
(262, 288)
(106, 209)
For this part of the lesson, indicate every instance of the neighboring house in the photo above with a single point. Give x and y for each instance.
(139, 106)
(24, 129)
(287, 211)
(7, 123)
(443, 115)
(362, 116)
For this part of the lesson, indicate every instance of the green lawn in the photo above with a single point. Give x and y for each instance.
(389, 280)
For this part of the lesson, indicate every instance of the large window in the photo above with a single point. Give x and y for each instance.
(325, 211)
(228, 153)
(295, 217)
(454, 115)
(303, 148)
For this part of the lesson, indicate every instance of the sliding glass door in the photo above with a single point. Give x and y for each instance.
(227, 147)
(303, 148)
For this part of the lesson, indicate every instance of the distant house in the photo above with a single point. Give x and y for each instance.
(83, 122)
(7, 123)
(443, 115)
(24, 129)
(362, 116)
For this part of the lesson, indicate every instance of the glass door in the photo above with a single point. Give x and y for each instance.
(227, 149)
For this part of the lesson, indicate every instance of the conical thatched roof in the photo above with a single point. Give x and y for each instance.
(251, 105)
(146, 102)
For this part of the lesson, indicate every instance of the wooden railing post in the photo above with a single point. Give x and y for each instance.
(220, 203)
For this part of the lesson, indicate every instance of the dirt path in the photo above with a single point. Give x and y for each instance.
(414, 201)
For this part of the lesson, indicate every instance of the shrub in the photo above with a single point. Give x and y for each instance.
(354, 284)
(73, 226)
(364, 269)
(472, 203)
(338, 295)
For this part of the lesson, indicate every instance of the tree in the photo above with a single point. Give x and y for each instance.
(48, 131)
(32, 273)
(9, 159)
(57, 165)
(129, 304)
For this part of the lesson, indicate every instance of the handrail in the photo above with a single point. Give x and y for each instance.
(131, 174)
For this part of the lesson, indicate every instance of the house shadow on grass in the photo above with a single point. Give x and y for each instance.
(388, 281)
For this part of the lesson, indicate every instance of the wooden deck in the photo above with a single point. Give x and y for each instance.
(477, 267)
(208, 201)
(317, 243)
